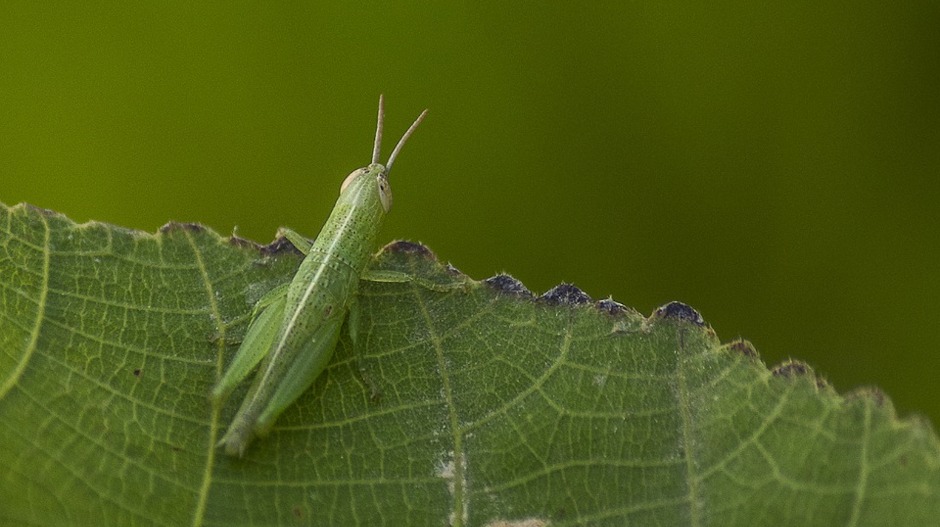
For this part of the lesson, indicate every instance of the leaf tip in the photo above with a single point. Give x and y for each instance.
(509, 285)
(181, 226)
(743, 347)
(680, 311)
(39, 210)
(565, 294)
(408, 247)
(792, 368)
(242, 243)
(453, 271)
(611, 307)
(871, 393)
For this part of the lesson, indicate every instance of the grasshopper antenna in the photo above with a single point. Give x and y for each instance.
(377, 146)
(401, 142)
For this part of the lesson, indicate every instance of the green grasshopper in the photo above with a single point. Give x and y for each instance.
(295, 327)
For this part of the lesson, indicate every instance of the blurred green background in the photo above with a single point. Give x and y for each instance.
(775, 166)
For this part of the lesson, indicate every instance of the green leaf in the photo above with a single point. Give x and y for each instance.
(476, 406)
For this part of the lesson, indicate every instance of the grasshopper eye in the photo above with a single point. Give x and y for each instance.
(349, 179)
(385, 192)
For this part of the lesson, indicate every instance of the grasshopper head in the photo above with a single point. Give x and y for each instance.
(376, 170)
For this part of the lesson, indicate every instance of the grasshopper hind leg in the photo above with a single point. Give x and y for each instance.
(301, 374)
(256, 344)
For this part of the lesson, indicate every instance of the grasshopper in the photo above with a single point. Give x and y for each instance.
(295, 327)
